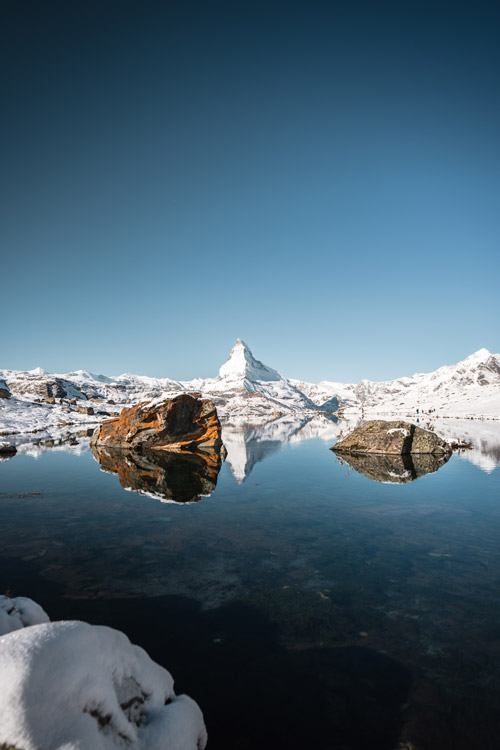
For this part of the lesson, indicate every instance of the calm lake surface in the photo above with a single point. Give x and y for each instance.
(303, 606)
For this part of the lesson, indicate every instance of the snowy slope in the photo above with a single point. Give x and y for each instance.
(246, 389)
(469, 388)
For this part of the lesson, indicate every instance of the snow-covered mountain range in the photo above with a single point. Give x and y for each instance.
(246, 390)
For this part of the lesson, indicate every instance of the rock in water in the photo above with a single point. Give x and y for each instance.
(183, 423)
(399, 438)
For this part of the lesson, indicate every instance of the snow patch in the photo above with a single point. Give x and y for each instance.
(77, 686)
(18, 613)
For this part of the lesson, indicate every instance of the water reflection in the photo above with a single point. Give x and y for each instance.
(165, 476)
(393, 469)
(247, 444)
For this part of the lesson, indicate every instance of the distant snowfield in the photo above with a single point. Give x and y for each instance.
(245, 391)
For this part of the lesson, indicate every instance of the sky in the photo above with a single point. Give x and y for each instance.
(320, 179)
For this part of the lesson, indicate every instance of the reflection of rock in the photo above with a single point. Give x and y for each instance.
(170, 476)
(379, 436)
(7, 450)
(395, 469)
(183, 423)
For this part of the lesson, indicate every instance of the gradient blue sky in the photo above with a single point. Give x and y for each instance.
(320, 179)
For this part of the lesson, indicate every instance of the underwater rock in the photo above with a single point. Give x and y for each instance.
(397, 438)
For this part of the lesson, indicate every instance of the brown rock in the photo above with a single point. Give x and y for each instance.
(182, 424)
(399, 438)
(86, 410)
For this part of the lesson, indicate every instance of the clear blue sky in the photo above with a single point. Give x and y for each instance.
(320, 179)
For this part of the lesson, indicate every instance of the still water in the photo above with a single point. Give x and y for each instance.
(302, 604)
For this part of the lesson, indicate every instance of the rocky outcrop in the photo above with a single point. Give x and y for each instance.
(396, 438)
(184, 423)
(165, 475)
(89, 410)
(4, 390)
(393, 469)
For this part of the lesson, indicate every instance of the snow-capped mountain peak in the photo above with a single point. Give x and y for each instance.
(241, 364)
(480, 356)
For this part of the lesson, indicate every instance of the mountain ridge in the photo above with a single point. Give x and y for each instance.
(246, 387)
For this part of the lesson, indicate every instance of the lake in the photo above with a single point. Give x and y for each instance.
(302, 604)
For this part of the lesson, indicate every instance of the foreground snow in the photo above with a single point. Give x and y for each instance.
(19, 612)
(75, 686)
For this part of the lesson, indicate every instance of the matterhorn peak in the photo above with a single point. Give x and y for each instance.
(242, 364)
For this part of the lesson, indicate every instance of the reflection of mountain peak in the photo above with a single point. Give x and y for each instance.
(248, 444)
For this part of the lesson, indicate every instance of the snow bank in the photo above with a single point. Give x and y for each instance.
(75, 686)
(18, 613)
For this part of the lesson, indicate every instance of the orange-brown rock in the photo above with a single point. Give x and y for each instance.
(182, 424)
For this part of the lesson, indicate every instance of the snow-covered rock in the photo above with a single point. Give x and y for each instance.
(75, 686)
(19, 612)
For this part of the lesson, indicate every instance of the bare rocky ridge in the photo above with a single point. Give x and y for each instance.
(395, 438)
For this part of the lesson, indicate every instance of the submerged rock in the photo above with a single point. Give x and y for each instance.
(183, 424)
(397, 438)
(395, 469)
(167, 476)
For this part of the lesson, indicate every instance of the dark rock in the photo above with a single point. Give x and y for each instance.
(85, 433)
(183, 424)
(397, 438)
(86, 410)
(4, 390)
